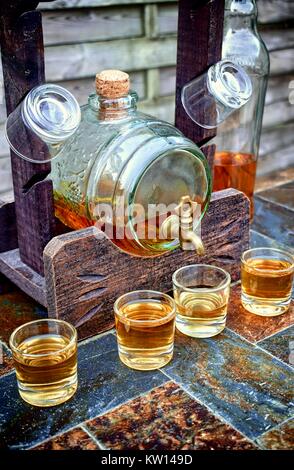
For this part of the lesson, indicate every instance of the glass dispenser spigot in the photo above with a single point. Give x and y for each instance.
(210, 98)
(37, 129)
(181, 224)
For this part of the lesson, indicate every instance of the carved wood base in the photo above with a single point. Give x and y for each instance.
(84, 274)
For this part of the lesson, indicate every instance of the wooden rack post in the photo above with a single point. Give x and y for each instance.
(22, 52)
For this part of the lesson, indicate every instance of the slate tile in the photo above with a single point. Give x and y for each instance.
(6, 286)
(259, 240)
(275, 178)
(75, 439)
(104, 382)
(254, 327)
(241, 383)
(17, 308)
(165, 418)
(281, 345)
(274, 220)
(280, 438)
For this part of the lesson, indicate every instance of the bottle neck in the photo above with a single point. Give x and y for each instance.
(241, 22)
(109, 109)
(241, 15)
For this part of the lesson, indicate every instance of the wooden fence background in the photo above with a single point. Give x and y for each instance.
(139, 36)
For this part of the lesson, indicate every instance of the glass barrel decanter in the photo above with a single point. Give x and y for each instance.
(237, 140)
(134, 164)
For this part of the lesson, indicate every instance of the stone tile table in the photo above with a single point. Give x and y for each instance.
(232, 392)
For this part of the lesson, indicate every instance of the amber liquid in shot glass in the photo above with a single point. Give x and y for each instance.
(45, 358)
(201, 293)
(267, 278)
(145, 324)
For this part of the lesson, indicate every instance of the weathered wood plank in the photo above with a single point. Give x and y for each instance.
(277, 39)
(167, 19)
(271, 180)
(278, 112)
(23, 276)
(83, 60)
(5, 173)
(6, 182)
(62, 4)
(22, 55)
(282, 62)
(276, 160)
(163, 108)
(8, 231)
(276, 149)
(167, 80)
(4, 154)
(278, 88)
(269, 10)
(81, 88)
(75, 61)
(84, 293)
(7, 194)
(279, 203)
(275, 139)
(272, 11)
(76, 26)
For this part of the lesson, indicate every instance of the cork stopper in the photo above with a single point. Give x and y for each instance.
(112, 83)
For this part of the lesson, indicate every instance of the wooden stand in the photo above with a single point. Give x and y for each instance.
(78, 275)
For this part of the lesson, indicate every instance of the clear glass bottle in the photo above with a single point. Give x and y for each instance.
(125, 160)
(237, 141)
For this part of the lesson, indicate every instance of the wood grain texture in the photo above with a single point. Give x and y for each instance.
(23, 276)
(83, 60)
(209, 151)
(8, 230)
(91, 25)
(84, 274)
(23, 68)
(200, 31)
(275, 11)
(270, 11)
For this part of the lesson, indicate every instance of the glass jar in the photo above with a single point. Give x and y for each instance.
(237, 140)
(124, 171)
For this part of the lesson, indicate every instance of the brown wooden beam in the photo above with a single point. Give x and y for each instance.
(22, 53)
(200, 34)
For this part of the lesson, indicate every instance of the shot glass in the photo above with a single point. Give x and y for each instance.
(201, 293)
(266, 281)
(45, 358)
(213, 96)
(39, 126)
(145, 325)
